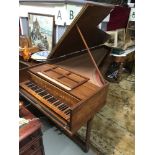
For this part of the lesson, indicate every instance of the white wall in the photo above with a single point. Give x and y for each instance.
(64, 13)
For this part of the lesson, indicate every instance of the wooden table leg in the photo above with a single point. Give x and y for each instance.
(120, 70)
(119, 60)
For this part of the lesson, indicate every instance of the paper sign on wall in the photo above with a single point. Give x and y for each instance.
(64, 14)
(72, 11)
(132, 14)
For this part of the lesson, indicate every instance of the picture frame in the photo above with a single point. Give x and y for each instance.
(120, 37)
(117, 38)
(41, 30)
(23, 26)
(112, 41)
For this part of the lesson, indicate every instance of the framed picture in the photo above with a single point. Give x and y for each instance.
(41, 30)
(120, 37)
(112, 41)
(117, 38)
(23, 26)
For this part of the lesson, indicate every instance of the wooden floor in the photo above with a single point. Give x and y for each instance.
(113, 127)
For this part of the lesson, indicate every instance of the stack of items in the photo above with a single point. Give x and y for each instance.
(120, 40)
(122, 44)
(28, 51)
(26, 48)
(23, 121)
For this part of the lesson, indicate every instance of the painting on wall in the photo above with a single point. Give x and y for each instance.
(112, 41)
(23, 26)
(117, 38)
(41, 30)
(120, 38)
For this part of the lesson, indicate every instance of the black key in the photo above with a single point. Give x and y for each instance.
(39, 90)
(52, 99)
(34, 88)
(57, 103)
(67, 111)
(43, 93)
(64, 107)
(47, 97)
(65, 104)
(61, 106)
(29, 83)
(31, 86)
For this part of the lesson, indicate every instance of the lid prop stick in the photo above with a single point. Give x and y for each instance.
(83, 39)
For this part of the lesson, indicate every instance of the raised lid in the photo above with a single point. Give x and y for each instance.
(87, 20)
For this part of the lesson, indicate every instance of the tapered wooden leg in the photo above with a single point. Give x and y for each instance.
(88, 132)
(120, 70)
(84, 144)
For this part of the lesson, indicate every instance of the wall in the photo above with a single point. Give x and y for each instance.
(64, 13)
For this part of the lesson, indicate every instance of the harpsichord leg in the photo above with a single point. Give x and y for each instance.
(88, 131)
(84, 143)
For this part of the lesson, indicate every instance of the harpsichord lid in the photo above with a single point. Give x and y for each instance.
(90, 16)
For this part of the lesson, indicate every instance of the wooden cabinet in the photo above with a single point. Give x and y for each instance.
(30, 135)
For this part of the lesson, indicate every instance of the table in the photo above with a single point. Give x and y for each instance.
(127, 56)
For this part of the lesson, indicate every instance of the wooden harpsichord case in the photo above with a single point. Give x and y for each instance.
(69, 87)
